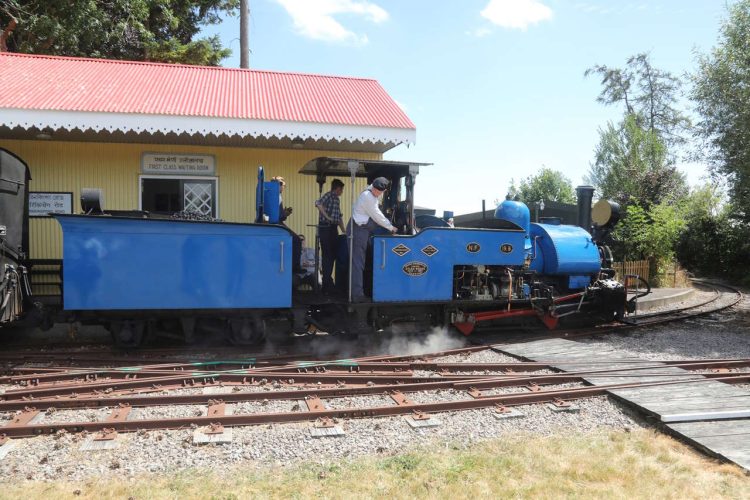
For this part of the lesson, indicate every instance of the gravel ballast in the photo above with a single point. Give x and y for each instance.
(723, 335)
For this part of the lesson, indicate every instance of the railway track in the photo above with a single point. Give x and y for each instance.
(87, 353)
(724, 297)
(40, 387)
(58, 389)
(717, 303)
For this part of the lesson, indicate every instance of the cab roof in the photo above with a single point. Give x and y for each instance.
(330, 166)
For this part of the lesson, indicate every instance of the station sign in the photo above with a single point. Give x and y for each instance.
(43, 204)
(177, 164)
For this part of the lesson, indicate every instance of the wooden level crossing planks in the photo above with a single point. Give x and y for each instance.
(729, 439)
(701, 411)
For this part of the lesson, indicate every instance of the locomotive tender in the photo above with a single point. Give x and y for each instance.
(139, 274)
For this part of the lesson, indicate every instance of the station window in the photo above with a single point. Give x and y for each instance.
(167, 195)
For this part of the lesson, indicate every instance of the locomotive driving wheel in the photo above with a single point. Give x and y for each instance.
(248, 330)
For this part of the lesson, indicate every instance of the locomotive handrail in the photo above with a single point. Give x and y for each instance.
(281, 264)
(382, 262)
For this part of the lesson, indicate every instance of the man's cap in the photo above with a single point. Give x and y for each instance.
(279, 179)
(380, 183)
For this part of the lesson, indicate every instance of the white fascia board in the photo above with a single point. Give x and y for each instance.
(201, 125)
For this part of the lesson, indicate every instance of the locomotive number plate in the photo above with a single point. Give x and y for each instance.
(473, 247)
(429, 250)
(506, 248)
(401, 249)
(415, 268)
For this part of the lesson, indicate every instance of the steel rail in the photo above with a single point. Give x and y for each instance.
(373, 369)
(30, 430)
(681, 313)
(144, 373)
(99, 399)
(212, 378)
(15, 359)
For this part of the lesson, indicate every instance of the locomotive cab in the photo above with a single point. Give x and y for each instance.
(397, 202)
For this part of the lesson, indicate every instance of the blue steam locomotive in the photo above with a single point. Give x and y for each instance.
(140, 274)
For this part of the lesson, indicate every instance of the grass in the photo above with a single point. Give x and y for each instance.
(615, 464)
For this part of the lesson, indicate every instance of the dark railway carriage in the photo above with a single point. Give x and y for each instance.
(138, 274)
(15, 292)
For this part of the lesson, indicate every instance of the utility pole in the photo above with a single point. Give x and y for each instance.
(245, 34)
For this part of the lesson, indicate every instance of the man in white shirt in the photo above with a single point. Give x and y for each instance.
(366, 216)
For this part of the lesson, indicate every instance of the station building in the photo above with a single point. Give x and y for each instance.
(166, 138)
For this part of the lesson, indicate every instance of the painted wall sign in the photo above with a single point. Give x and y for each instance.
(473, 247)
(415, 268)
(401, 249)
(42, 204)
(177, 164)
(506, 248)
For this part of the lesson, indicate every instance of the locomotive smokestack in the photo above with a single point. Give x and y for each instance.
(585, 194)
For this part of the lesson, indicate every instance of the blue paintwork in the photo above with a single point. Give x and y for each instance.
(271, 201)
(564, 250)
(515, 212)
(392, 284)
(578, 282)
(272, 197)
(121, 263)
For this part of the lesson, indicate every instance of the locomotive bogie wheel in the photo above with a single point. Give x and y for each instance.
(127, 333)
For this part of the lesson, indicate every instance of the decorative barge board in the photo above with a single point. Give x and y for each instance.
(712, 416)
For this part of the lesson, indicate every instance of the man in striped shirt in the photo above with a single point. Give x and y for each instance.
(329, 221)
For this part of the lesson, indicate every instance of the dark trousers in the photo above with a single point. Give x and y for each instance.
(361, 237)
(296, 252)
(328, 238)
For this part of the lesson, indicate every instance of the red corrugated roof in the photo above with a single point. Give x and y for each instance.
(100, 85)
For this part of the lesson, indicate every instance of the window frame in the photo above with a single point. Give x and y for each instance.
(213, 178)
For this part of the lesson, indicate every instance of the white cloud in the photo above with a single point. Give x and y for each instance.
(516, 14)
(479, 32)
(315, 18)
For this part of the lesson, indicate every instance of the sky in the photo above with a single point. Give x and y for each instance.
(496, 88)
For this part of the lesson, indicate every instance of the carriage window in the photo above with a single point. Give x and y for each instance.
(167, 195)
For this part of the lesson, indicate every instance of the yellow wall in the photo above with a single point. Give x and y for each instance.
(115, 168)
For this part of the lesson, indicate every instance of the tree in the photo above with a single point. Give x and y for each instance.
(702, 246)
(721, 91)
(632, 165)
(548, 185)
(704, 202)
(149, 30)
(650, 234)
(647, 93)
